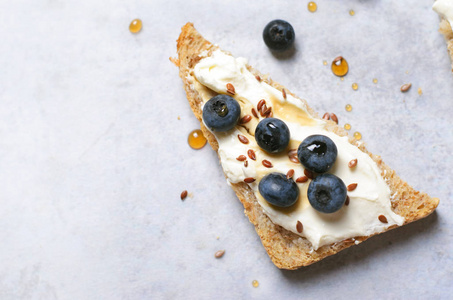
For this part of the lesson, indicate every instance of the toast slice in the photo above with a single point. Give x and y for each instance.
(444, 9)
(447, 32)
(287, 249)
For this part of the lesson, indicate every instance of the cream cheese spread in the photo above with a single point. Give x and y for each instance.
(445, 9)
(368, 201)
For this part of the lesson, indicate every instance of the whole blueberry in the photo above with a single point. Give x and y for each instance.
(221, 113)
(278, 190)
(279, 35)
(272, 135)
(317, 153)
(327, 193)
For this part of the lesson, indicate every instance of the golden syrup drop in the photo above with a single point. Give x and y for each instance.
(342, 79)
(324, 62)
(355, 86)
(196, 139)
(375, 80)
(420, 92)
(340, 66)
(312, 7)
(255, 283)
(348, 107)
(357, 135)
(347, 126)
(352, 12)
(135, 26)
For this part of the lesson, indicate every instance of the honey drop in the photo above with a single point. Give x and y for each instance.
(312, 6)
(135, 26)
(420, 92)
(357, 135)
(340, 66)
(375, 80)
(196, 139)
(352, 12)
(347, 126)
(324, 62)
(255, 283)
(348, 107)
(355, 86)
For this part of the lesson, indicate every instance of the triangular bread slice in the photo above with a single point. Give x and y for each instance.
(286, 249)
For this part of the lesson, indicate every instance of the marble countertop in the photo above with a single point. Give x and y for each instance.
(94, 154)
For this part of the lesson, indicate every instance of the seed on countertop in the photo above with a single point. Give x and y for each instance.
(249, 180)
(406, 87)
(352, 163)
(241, 157)
(352, 187)
(383, 219)
(245, 119)
(290, 174)
(302, 179)
(267, 163)
(184, 195)
(334, 118)
(230, 89)
(299, 227)
(243, 139)
(219, 253)
(251, 154)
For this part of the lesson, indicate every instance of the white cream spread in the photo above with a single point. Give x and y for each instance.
(445, 9)
(368, 201)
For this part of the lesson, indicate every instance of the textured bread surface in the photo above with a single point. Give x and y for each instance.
(286, 249)
(446, 30)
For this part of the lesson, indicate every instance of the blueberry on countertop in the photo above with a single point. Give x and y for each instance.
(272, 135)
(221, 113)
(279, 35)
(278, 190)
(317, 153)
(327, 193)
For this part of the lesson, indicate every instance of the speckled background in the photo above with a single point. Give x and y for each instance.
(93, 156)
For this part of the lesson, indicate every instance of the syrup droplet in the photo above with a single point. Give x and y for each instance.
(357, 135)
(196, 139)
(340, 66)
(135, 26)
(375, 80)
(348, 107)
(420, 92)
(324, 62)
(347, 126)
(352, 12)
(312, 7)
(255, 283)
(355, 86)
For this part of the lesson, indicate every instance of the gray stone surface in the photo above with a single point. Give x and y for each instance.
(93, 157)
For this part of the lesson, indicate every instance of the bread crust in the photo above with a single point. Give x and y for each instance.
(286, 249)
(446, 30)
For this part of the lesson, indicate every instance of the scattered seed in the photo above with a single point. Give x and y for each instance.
(290, 174)
(302, 179)
(254, 113)
(230, 89)
(299, 227)
(352, 163)
(260, 104)
(406, 87)
(241, 157)
(284, 93)
(251, 154)
(246, 163)
(267, 163)
(245, 119)
(243, 139)
(184, 195)
(383, 219)
(352, 187)
(219, 253)
(263, 110)
(249, 180)
(309, 174)
(347, 201)
(326, 116)
(334, 118)
(270, 114)
(258, 78)
(292, 154)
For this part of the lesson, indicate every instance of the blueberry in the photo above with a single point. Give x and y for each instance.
(221, 113)
(279, 35)
(272, 135)
(317, 153)
(327, 193)
(278, 190)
